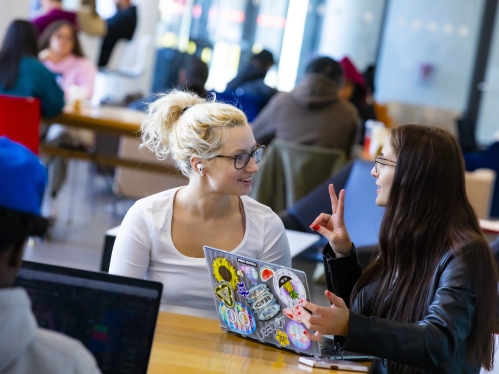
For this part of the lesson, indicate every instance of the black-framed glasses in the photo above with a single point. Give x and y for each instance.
(382, 162)
(241, 160)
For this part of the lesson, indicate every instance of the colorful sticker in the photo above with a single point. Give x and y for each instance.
(282, 338)
(249, 272)
(262, 302)
(296, 335)
(241, 290)
(293, 313)
(255, 291)
(289, 287)
(224, 271)
(266, 273)
(224, 292)
(238, 319)
(268, 312)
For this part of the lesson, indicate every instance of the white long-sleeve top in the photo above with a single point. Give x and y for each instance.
(144, 249)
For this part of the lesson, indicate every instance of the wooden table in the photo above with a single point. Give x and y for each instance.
(105, 119)
(184, 344)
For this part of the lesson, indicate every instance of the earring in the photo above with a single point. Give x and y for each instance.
(200, 168)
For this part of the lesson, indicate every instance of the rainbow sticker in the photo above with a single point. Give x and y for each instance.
(238, 319)
(296, 335)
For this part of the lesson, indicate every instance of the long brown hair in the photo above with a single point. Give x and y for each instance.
(44, 41)
(428, 214)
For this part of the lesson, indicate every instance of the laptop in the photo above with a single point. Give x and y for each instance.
(260, 301)
(113, 316)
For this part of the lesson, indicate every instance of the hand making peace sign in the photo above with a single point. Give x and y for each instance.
(333, 227)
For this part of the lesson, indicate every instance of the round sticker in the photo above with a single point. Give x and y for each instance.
(250, 273)
(289, 287)
(296, 335)
(266, 273)
(239, 319)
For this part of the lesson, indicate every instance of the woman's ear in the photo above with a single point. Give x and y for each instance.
(197, 165)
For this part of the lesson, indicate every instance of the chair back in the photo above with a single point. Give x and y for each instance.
(290, 171)
(479, 188)
(20, 120)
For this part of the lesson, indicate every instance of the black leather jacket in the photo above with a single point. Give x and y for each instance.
(436, 344)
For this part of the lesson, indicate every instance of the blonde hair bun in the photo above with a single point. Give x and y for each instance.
(185, 125)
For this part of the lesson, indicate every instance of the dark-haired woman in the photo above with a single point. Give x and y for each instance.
(427, 302)
(21, 74)
(61, 53)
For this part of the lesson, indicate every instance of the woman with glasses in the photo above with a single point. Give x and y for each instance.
(427, 301)
(162, 236)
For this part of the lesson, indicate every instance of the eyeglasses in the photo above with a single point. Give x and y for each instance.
(241, 160)
(382, 162)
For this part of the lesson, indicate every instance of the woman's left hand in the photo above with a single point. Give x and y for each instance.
(329, 321)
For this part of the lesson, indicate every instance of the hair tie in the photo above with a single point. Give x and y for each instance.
(183, 110)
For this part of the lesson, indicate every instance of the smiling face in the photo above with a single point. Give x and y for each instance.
(62, 41)
(384, 175)
(222, 175)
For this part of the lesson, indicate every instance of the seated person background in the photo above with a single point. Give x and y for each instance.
(250, 79)
(427, 302)
(191, 77)
(162, 236)
(355, 90)
(62, 54)
(120, 26)
(53, 12)
(312, 113)
(21, 74)
(25, 348)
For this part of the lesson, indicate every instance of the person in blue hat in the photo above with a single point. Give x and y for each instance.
(25, 348)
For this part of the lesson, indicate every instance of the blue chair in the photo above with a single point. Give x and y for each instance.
(488, 159)
(362, 216)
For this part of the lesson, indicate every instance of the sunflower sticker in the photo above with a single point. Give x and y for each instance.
(224, 271)
(282, 338)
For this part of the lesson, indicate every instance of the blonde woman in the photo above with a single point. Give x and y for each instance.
(162, 236)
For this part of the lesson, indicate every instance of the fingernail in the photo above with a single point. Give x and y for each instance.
(317, 228)
(305, 332)
(328, 293)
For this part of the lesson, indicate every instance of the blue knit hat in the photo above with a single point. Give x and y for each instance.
(22, 178)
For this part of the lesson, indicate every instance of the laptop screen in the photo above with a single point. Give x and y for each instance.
(113, 316)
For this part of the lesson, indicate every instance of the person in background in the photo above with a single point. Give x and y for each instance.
(427, 302)
(355, 90)
(191, 77)
(21, 74)
(61, 53)
(89, 20)
(53, 12)
(250, 79)
(24, 347)
(312, 113)
(162, 236)
(120, 26)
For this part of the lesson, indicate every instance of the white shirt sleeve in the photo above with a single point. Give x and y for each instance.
(132, 248)
(276, 246)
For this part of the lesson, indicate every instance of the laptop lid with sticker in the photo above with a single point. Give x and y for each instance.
(260, 301)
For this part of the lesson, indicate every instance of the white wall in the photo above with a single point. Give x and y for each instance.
(351, 28)
(11, 10)
(441, 35)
